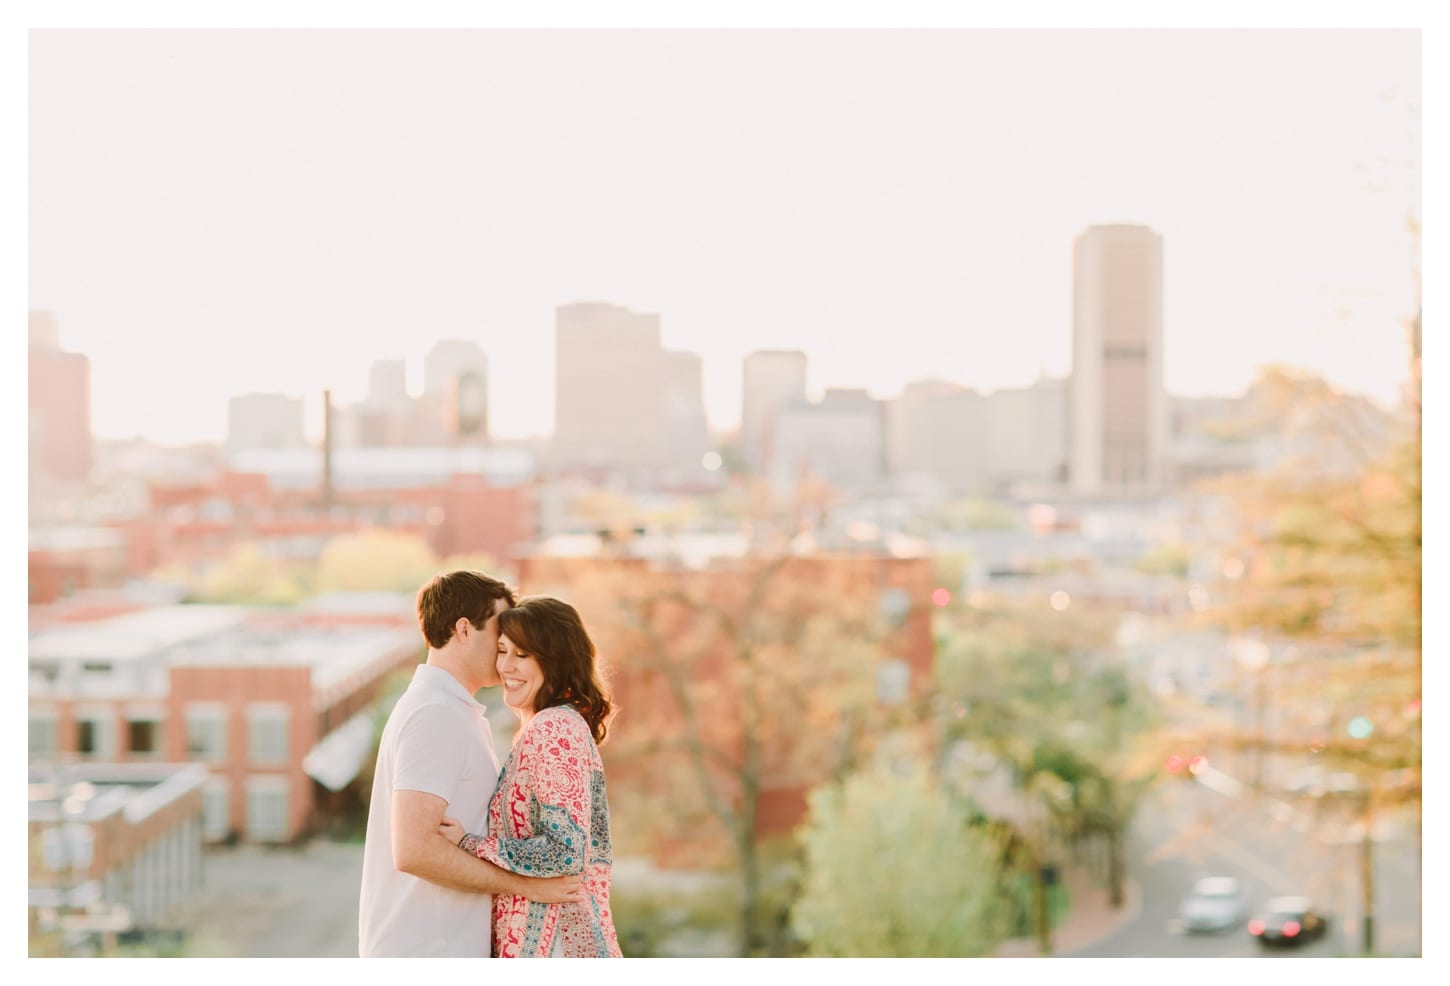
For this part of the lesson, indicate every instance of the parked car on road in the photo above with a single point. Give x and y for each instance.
(1288, 921)
(1316, 782)
(1216, 903)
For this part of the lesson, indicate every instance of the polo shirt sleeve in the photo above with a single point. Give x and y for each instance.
(432, 751)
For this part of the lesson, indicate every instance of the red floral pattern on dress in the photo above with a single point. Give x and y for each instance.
(550, 816)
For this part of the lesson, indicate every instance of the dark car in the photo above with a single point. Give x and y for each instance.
(1288, 921)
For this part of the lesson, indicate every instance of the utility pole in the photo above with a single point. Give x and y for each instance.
(1366, 874)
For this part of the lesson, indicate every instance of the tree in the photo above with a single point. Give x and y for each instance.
(1327, 566)
(1046, 699)
(746, 684)
(375, 561)
(250, 576)
(895, 869)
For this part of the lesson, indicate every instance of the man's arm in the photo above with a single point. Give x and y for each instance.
(419, 850)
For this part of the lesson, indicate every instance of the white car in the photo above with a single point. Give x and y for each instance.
(1216, 903)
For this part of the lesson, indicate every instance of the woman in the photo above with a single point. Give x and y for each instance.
(549, 815)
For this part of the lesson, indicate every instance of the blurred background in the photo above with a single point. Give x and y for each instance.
(988, 463)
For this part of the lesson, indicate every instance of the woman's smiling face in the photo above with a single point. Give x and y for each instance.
(522, 677)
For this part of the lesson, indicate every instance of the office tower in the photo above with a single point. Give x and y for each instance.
(609, 388)
(265, 421)
(455, 384)
(382, 420)
(687, 437)
(772, 379)
(59, 405)
(388, 383)
(446, 360)
(839, 440)
(1027, 433)
(908, 450)
(1118, 408)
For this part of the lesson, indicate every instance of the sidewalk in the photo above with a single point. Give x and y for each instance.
(1090, 918)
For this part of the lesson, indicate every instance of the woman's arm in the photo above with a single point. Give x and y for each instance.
(555, 754)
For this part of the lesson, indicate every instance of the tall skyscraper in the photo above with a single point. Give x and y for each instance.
(609, 388)
(1118, 407)
(59, 404)
(772, 380)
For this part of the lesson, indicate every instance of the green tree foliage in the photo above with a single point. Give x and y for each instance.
(250, 576)
(1043, 693)
(893, 868)
(746, 680)
(375, 561)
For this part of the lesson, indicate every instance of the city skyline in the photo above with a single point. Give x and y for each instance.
(820, 202)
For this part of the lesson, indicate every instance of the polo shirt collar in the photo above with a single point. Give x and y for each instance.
(440, 680)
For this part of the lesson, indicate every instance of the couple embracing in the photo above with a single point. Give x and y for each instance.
(462, 859)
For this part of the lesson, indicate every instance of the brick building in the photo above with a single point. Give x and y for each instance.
(277, 705)
(113, 848)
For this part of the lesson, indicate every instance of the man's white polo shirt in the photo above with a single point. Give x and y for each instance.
(437, 741)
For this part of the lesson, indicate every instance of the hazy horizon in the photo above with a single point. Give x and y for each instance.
(273, 210)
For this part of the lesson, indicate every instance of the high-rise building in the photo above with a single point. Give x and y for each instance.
(455, 380)
(839, 440)
(609, 389)
(446, 360)
(1118, 408)
(908, 449)
(60, 405)
(388, 383)
(772, 379)
(687, 436)
(1027, 433)
(265, 421)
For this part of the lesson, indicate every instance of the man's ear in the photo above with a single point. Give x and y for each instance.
(462, 627)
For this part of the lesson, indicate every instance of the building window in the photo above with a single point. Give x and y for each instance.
(216, 815)
(206, 732)
(267, 809)
(95, 736)
(267, 733)
(42, 736)
(143, 736)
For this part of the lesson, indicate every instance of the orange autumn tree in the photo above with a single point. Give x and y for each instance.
(741, 685)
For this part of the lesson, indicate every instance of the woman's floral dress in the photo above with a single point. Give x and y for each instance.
(549, 817)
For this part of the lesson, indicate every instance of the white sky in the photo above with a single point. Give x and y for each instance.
(218, 212)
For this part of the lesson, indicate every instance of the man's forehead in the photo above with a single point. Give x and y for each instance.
(499, 605)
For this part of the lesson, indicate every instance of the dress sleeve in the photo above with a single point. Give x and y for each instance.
(546, 822)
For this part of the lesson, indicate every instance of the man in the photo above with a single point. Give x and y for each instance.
(421, 894)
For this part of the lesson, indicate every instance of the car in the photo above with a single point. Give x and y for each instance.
(1316, 782)
(1288, 921)
(1216, 903)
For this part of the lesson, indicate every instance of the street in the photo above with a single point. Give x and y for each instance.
(1194, 829)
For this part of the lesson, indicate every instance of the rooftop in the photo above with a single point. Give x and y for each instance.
(372, 468)
(134, 636)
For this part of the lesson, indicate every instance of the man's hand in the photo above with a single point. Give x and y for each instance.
(452, 830)
(567, 889)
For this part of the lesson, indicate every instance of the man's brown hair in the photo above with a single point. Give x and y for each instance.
(455, 595)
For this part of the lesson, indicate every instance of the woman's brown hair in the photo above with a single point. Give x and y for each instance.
(551, 632)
